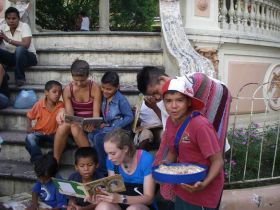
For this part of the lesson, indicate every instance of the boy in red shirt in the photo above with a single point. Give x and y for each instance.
(43, 117)
(197, 143)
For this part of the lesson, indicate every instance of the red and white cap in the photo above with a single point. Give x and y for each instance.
(183, 86)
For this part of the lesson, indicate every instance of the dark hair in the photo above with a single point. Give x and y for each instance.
(86, 152)
(49, 84)
(46, 166)
(11, 10)
(82, 13)
(111, 77)
(80, 68)
(121, 138)
(148, 76)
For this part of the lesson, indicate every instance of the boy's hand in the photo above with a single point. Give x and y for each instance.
(150, 102)
(60, 117)
(198, 186)
(109, 197)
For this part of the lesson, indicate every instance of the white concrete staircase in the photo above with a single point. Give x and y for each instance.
(125, 53)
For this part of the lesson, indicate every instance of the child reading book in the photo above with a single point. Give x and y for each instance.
(86, 162)
(43, 116)
(116, 112)
(82, 98)
(44, 189)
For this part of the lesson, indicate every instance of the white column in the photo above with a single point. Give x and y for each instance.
(104, 15)
(32, 16)
(200, 14)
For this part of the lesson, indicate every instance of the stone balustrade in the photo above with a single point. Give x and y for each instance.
(258, 18)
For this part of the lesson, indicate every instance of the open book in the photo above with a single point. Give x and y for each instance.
(76, 189)
(21, 201)
(96, 121)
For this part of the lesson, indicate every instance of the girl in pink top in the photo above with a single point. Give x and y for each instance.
(82, 97)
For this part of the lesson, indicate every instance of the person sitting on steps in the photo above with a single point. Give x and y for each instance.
(19, 50)
(82, 98)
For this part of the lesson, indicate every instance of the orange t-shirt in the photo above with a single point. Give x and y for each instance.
(45, 120)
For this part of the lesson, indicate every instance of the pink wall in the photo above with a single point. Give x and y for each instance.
(241, 73)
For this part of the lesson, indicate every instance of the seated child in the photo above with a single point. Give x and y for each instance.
(44, 189)
(116, 112)
(86, 162)
(44, 114)
(191, 138)
(150, 128)
(82, 98)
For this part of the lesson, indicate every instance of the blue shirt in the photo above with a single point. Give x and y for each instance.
(49, 194)
(144, 168)
(119, 115)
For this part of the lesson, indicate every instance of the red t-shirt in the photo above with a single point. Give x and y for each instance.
(199, 142)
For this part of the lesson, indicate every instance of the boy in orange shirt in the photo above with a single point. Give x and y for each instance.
(44, 114)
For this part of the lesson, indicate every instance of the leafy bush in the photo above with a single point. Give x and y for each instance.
(251, 138)
(132, 15)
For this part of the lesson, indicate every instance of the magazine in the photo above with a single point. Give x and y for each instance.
(96, 121)
(76, 189)
(21, 201)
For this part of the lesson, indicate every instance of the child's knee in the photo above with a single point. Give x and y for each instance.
(30, 139)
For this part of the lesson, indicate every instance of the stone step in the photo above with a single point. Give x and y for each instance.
(128, 90)
(13, 148)
(98, 40)
(60, 56)
(42, 74)
(19, 176)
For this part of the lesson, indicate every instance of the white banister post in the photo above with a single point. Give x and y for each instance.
(231, 14)
(224, 15)
(253, 16)
(104, 15)
(263, 19)
(258, 15)
(246, 15)
(239, 16)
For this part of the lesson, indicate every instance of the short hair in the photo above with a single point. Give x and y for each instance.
(86, 152)
(111, 77)
(80, 68)
(49, 84)
(121, 138)
(148, 76)
(11, 10)
(82, 13)
(46, 166)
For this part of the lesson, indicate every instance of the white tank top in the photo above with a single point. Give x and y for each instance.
(85, 24)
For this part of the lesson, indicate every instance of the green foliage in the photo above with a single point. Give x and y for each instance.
(254, 139)
(132, 15)
(62, 14)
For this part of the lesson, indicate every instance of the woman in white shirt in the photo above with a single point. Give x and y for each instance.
(19, 50)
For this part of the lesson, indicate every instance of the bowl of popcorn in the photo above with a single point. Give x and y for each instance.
(178, 173)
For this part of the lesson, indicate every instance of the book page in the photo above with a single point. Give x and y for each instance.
(70, 188)
(110, 184)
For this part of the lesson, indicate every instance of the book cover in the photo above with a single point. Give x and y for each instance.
(110, 184)
(137, 111)
(96, 121)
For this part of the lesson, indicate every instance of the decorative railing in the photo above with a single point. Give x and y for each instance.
(259, 18)
(177, 42)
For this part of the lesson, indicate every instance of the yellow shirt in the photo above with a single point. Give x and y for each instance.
(23, 30)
